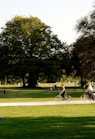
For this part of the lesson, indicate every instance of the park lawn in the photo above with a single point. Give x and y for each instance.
(48, 122)
(16, 94)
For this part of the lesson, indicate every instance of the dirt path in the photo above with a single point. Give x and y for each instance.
(45, 103)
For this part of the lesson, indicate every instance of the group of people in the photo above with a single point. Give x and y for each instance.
(87, 89)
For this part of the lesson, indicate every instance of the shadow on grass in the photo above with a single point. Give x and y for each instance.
(48, 128)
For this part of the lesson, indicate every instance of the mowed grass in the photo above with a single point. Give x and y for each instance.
(48, 122)
(45, 122)
(16, 94)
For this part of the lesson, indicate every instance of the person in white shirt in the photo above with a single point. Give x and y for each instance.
(89, 89)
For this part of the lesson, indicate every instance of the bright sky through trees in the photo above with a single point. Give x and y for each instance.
(61, 15)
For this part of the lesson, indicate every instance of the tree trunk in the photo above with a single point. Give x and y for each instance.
(23, 81)
(32, 80)
(83, 81)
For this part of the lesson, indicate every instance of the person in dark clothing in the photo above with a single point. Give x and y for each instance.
(63, 91)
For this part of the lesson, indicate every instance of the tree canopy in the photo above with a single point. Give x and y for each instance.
(29, 50)
(84, 47)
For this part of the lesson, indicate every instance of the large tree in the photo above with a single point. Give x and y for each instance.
(29, 45)
(84, 47)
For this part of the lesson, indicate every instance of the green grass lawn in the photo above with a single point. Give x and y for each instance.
(45, 122)
(48, 122)
(39, 94)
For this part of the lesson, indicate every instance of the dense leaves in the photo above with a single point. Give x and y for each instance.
(84, 47)
(29, 50)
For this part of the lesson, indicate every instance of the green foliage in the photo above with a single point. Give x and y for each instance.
(84, 47)
(86, 25)
(28, 44)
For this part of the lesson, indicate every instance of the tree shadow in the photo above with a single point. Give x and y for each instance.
(47, 128)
